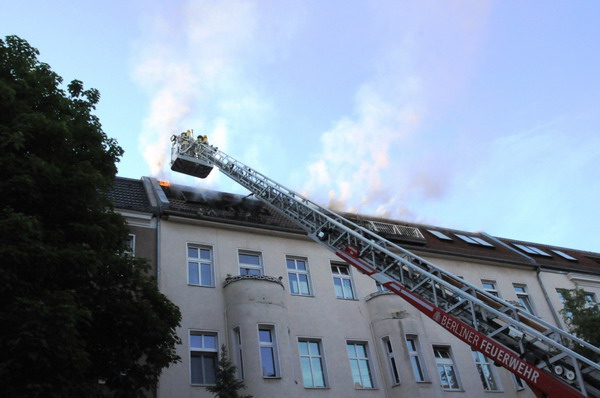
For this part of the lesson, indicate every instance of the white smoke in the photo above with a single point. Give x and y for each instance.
(377, 161)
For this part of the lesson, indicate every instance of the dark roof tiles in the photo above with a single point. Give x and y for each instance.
(129, 194)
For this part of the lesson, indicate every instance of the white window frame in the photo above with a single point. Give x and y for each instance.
(358, 359)
(269, 345)
(381, 287)
(199, 262)
(446, 364)
(416, 358)
(493, 290)
(130, 245)
(248, 266)
(208, 351)
(484, 365)
(519, 384)
(238, 356)
(311, 357)
(343, 277)
(296, 273)
(393, 370)
(523, 298)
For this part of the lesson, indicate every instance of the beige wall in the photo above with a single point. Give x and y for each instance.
(248, 303)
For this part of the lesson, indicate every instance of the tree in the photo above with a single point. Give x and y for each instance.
(582, 315)
(78, 317)
(227, 385)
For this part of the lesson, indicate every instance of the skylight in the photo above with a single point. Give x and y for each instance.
(439, 234)
(392, 229)
(474, 240)
(564, 255)
(532, 250)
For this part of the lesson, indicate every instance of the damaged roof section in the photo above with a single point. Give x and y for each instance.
(195, 203)
(219, 206)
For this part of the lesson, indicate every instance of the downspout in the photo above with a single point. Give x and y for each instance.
(547, 297)
(160, 202)
(158, 252)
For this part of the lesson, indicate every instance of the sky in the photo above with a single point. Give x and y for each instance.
(473, 115)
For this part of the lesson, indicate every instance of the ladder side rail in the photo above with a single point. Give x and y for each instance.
(224, 160)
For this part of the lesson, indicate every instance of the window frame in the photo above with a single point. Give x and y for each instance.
(209, 352)
(272, 345)
(199, 261)
(418, 354)
(393, 370)
(366, 359)
(482, 362)
(248, 266)
(493, 291)
(524, 295)
(519, 384)
(310, 356)
(130, 245)
(238, 357)
(447, 362)
(297, 272)
(342, 277)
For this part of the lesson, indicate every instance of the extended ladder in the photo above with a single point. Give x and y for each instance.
(537, 352)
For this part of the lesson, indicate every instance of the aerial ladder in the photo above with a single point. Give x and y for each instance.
(537, 352)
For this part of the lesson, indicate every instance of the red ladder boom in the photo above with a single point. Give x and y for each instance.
(528, 346)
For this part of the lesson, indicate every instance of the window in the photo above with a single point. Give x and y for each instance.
(490, 287)
(203, 357)
(359, 364)
(532, 250)
(268, 351)
(387, 346)
(414, 352)
(518, 382)
(590, 298)
(486, 372)
(564, 255)
(439, 235)
(474, 240)
(200, 266)
(311, 361)
(381, 287)
(523, 297)
(342, 281)
(446, 369)
(237, 353)
(298, 276)
(130, 245)
(250, 263)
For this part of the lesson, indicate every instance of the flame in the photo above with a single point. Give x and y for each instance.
(163, 183)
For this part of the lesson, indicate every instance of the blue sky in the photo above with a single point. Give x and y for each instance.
(474, 115)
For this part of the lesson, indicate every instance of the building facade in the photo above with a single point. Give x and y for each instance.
(299, 322)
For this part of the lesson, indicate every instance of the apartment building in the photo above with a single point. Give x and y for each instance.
(299, 322)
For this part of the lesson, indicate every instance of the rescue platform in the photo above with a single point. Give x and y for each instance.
(190, 165)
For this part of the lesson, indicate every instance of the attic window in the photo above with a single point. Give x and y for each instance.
(564, 255)
(474, 240)
(532, 250)
(439, 234)
(393, 229)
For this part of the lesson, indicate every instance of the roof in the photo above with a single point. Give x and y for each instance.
(130, 194)
(246, 210)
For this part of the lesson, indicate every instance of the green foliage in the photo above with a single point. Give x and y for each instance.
(74, 308)
(227, 384)
(583, 318)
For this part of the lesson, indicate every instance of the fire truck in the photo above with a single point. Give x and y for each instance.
(543, 355)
